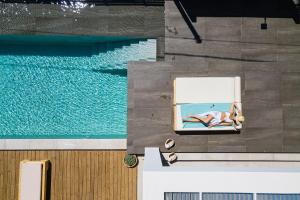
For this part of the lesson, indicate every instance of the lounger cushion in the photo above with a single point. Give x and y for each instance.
(207, 90)
(30, 180)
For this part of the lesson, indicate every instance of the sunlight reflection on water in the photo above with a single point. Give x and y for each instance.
(21, 9)
(74, 7)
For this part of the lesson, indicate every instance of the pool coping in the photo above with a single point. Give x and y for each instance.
(62, 144)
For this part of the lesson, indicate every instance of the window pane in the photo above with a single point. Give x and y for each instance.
(265, 196)
(226, 196)
(182, 196)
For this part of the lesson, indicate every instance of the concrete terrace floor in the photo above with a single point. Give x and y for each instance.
(268, 62)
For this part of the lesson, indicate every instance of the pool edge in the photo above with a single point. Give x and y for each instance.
(62, 144)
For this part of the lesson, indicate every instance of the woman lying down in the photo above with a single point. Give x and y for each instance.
(217, 118)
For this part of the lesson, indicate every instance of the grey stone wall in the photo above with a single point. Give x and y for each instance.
(82, 19)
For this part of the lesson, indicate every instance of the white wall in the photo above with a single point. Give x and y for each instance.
(159, 179)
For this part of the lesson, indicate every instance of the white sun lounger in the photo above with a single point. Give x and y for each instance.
(198, 90)
(33, 180)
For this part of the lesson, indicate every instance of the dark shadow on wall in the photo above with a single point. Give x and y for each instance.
(187, 20)
(242, 8)
(191, 9)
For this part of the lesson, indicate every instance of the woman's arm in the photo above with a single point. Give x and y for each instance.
(237, 107)
(231, 110)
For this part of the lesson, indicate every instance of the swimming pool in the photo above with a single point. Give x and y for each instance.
(66, 86)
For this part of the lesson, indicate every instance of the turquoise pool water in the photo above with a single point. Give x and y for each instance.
(66, 86)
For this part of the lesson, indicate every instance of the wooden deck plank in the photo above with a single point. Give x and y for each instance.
(7, 181)
(133, 176)
(115, 180)
(61, 173)
(106, 172)
(43, 155)
(130, 184)
(84, 186)
(126, 188)
(10, 177)
(55, 176)
(32, 155)
(102, 177)
(111, 175)
(78, 170)
(107, 181)
(35, 155)
(66, 176)
(1, 172)
(15, 174)
(80, 178)
(98, 176)
(72, 175)
(6, 160)
(88, 177)
(6, 172)
(118, 172)
(122, 182)
(13, 161)
(93, 156)
(95, 176)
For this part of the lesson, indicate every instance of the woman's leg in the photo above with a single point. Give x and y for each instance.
(191, 120)
(199, 116)
(205, 119)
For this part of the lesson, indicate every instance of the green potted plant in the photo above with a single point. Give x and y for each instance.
(130, 160)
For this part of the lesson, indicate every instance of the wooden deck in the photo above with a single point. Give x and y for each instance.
(75, 175)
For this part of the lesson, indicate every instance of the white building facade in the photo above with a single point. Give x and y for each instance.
(215, 183)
